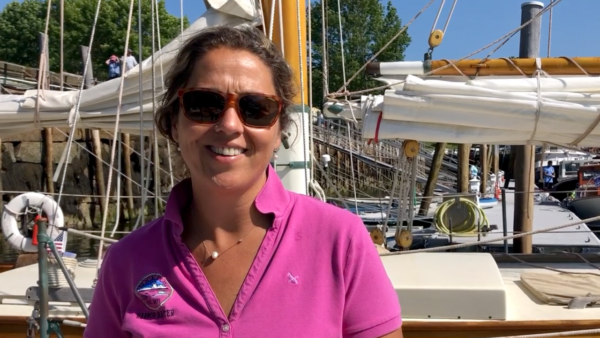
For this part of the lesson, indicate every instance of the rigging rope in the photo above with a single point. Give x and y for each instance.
(342, 44)
(304, 113)
(449, 16)
(73, 119)
(437, 16)
(162, 82)
(324, 65)
(114, 140)
(509, 34)
(550, 27)
(491, 240)
(402, 30)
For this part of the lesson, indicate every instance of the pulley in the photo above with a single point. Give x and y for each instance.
(435, 39)
(377, 236)
(404, 239)
(411, 148)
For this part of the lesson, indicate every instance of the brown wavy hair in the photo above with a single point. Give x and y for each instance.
(244, 37)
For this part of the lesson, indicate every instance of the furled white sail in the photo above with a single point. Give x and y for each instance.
(486, 110)
(98, 106)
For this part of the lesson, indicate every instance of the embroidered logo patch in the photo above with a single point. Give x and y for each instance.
(154, 290)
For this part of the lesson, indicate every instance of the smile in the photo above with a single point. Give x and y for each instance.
(227, 151)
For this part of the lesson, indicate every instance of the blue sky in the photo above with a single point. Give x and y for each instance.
(476, 23)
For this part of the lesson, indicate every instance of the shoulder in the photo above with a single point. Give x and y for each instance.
(326, 224)
(320, 213)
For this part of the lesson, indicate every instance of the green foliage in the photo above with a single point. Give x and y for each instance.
(21, 23)
(367, 26)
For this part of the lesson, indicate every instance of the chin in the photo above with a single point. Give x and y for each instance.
(233, 182)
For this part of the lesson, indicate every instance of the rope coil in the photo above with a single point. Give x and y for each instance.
(470, 226)
(56, 278)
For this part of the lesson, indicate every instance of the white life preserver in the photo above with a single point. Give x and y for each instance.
(16, 207)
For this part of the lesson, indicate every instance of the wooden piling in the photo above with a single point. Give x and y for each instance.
(485, 168)
(524, 177)
(434, 171)
(127, 169)
(46, 132)
(48, 160)
(464, 151)
(99, 172)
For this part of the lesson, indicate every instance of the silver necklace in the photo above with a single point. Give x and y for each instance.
(215, 254)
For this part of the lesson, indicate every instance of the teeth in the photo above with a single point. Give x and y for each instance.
(227, 151)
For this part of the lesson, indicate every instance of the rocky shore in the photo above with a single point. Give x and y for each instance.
(23, 170)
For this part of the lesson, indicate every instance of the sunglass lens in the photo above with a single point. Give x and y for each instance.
(259, 110)
(203, 106)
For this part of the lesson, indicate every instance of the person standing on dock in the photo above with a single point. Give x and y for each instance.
(474, 171)
(548, 176)
(114, 67)
(130, 61)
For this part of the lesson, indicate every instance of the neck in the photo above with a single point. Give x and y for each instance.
(216, 213)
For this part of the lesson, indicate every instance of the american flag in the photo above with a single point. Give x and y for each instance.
(58, 242)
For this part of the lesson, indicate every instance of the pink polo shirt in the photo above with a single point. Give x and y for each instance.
(316, 274)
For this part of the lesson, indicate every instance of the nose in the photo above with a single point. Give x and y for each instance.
(230, 122)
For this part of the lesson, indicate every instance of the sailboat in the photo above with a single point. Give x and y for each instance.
(443, 294)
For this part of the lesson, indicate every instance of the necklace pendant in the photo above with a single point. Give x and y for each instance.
(214, 255)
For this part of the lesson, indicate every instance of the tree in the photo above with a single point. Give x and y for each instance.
(367, 26)
(20, 24)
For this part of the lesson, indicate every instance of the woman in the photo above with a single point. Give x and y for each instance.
(235, 253)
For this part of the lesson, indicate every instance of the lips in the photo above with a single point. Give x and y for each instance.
(227, 151)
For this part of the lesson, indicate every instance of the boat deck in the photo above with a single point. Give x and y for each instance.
(14, 284)
(521, 304)
(545, 215)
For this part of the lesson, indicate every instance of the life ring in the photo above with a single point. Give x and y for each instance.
(17, 206)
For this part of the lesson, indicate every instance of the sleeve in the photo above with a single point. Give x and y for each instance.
(106, 316)
(372, 308)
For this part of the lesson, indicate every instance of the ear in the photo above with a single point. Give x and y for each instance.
(277, 141)
(175, 129)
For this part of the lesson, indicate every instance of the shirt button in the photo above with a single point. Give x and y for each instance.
(225, 327)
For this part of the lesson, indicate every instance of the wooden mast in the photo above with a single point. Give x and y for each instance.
(290, 34)
(290, 42)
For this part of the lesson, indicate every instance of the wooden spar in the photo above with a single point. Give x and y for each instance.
(496, 67)
(504, 67)
(290, 41)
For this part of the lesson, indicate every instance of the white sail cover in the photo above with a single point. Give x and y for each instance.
(98, 105)
(485, 110)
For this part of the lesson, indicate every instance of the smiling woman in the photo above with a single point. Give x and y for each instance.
(235, 253)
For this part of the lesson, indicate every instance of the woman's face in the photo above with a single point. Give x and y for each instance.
(203, 146)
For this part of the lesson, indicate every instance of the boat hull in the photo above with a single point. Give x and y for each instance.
(487, 329)
(15, 328)
(587, 207)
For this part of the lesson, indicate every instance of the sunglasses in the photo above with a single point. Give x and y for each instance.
(207, 106)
